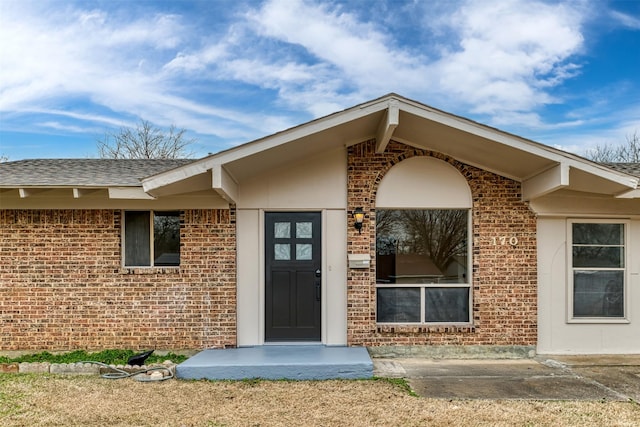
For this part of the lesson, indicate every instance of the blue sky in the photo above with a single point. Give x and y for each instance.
(229, 71)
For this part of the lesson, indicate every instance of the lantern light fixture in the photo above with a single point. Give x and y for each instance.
(358, 216)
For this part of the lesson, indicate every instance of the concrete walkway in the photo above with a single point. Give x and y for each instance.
(543, 378)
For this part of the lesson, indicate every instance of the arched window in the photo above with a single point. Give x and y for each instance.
(423, 240)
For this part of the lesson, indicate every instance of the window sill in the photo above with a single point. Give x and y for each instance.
(598, 321)
(421, 329)
(150, 270)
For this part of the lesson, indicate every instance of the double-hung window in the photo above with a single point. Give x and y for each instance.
(597, 270)
(422, 264)
(151, 238)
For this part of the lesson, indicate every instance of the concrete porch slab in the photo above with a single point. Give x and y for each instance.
(312, 362)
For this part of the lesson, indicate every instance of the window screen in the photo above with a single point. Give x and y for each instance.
(137, 238)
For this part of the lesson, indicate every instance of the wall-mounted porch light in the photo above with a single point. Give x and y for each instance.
(358, 216)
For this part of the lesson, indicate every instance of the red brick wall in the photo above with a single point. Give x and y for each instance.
(63, 287)
(504, 276)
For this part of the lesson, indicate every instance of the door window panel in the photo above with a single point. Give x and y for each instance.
(282, 230)
(282, 251)
(304, 230)
(304, 251)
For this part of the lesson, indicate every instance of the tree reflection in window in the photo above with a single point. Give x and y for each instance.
(421, 246)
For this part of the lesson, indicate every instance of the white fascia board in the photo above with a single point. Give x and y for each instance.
(169, 177)
(299, 132)
(519, 143)
(263, 144)
(387, 125)
(224, 184)
(136, 193)
(546, 182)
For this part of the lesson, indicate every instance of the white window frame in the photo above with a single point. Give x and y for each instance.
(570, 269)
(151, 240)
(423, 286)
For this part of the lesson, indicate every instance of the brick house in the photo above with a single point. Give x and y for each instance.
(389, 225)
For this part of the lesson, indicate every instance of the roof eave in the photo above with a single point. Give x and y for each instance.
(553, 176)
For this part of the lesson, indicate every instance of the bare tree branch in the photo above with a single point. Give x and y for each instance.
(440, 234)
(628, 152)
(145, 142)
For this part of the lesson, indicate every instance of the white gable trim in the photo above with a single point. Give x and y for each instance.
(519, 143)
(538, 183)
(387, 125)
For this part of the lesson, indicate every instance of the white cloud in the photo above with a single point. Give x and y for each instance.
(503, 61)
(509, 54)
(362, 54)
(503, 58)
(75, 54)
(198, 61)
(124, 65)
(600, 130)
(60, 126)
(629, 21)
(255, 71)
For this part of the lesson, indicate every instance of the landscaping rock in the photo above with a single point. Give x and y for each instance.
(8, 368)
(74, 368)
(34, 368)
(156, 375)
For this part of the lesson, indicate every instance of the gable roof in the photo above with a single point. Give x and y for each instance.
(541, 169)
(83, 172)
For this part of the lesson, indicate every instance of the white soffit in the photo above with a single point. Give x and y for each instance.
(129, 193)
(631, 194)
(336, 130)
(542, 168)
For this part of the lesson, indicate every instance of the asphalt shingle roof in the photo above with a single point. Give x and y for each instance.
(120, 172)
(83, 172)
(630, 168)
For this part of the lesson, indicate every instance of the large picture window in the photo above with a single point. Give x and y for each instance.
(422, 264)
(151, 239)
(598, 270)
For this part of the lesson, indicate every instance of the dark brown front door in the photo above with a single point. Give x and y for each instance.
(293, 276)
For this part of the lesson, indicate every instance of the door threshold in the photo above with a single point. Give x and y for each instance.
(293, 343)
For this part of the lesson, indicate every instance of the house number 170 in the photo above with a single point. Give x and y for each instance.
(503, 240)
